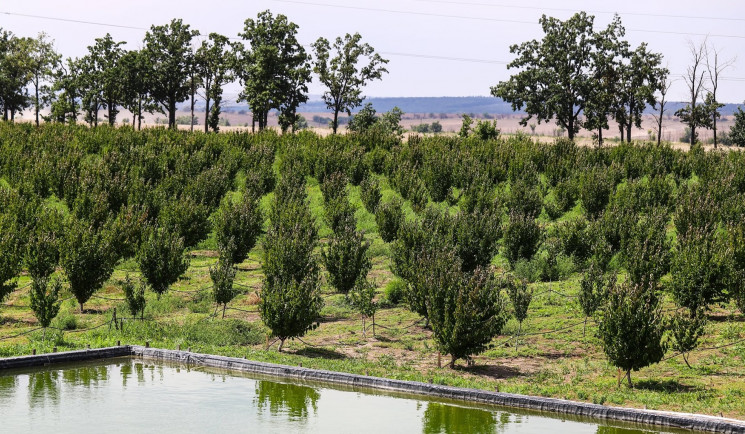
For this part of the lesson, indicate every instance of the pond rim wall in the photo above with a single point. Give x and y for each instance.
(553, 406)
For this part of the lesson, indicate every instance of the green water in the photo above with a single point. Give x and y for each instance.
(132, 395)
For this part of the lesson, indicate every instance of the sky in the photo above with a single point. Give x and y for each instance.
(435, 47)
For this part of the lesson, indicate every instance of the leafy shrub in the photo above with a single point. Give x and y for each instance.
(394, 291)
(595, 187)
(521, 238)
(389, 217)
(135, 297)
(188, 218)
(237, 227)
(162, 259)
(222, 275)
(346, 259)
(524, 200)
(370, 193)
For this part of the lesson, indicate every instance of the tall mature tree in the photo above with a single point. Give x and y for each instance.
(639, 80)
(66, 106)
(341, 74)
(167, 49)
(106, 55)
(135, 96)
(273, 69)
(694, 114)
(715, 66)
(43, 61)
(737, 131)
(555, 77)
(15, 73)
(607, 67)
(214, 61)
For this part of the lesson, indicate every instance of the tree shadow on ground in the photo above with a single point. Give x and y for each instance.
(491, 371)
(667, 386)
(321, 353)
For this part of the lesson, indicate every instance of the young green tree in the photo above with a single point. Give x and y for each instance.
(222, 275)
(687, 328)
(162, 259)
(345, 257)
(214, 61)
(237, 227)
(290, 298)
(42, 250)
(87, 256)
(10, 255)
(521, 237)
(389, 218)
(592, 291)
(465, 310)
(737, 131)
(520, 296)
(135, 297)
(353, 65)
(45, 303)
(362, 299)
(273, 68)
(631, 327)
(370, 193)
(167, 51)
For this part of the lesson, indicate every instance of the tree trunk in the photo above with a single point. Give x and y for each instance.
(335, 124)
(659, 131)
(281, 343)
(206, 112)
(584, 328)
(570, 129)
(714, 124)
(686, 360)
(373, 320)
(517, 339)
(628, 377)
(600, 136)
(452, 361)
(620, 129)
(172, 113)
(139, 114)
(37, 104)
(191, 118)
(628, 131)
(224, 306)
(81, 307)
(693, 135)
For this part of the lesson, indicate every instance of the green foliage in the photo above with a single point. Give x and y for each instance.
(521, 237)
(465, 310)
(342, 76)
(162, 259)
(520, 297)
(395, 291)
(346, 259)
(465, 128)
(370, 193)
(44, 299)
(362, 299)
(595, 188)
(273, 68)
(631, 327)
(290, 299)
(134, 296)
(222, 275)
(737, 131)
(10, 259)
(646, 252)
(486, 130)
(188, 219)
(87, 257)
(700, 269)
(593, 289)
(389, 217)
(524, 200)
(686, 330)
(237, 227)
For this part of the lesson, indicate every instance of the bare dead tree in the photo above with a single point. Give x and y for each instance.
(715, 66)
(692, 114)
(660, 105)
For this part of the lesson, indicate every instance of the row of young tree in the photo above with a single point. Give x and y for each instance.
(580, 77)
(153, 194)
(268, 61)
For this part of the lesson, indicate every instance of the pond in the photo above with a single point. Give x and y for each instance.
(136, 395)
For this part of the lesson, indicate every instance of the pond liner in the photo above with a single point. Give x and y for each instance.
(649, 418)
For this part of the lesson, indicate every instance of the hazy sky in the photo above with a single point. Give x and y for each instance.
(435, 47)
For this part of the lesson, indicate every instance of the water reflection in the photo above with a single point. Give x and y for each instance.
(8, 386)
(289, 399)
(87, 376)
(443, 418)
(43, 388)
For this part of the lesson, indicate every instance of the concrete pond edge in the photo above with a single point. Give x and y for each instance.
(651, 418)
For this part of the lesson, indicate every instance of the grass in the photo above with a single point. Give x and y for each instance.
(563, 364)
